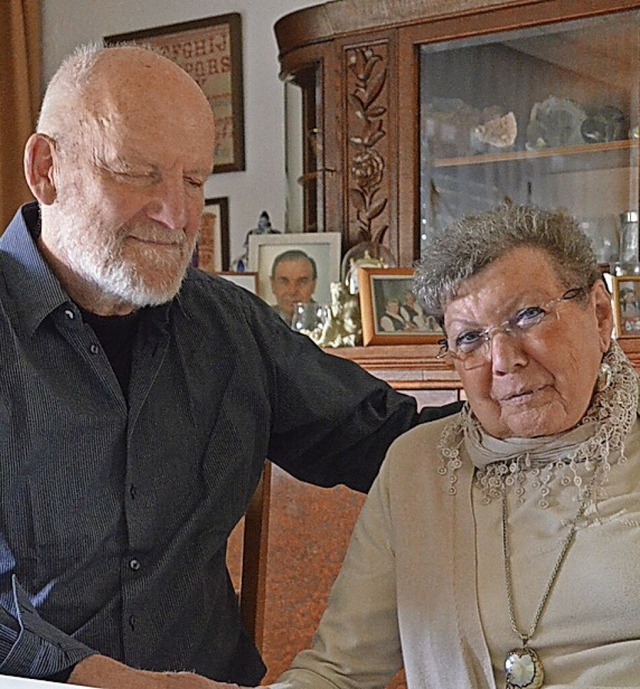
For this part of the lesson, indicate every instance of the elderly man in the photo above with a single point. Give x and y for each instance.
(139, 397)
(293, 281)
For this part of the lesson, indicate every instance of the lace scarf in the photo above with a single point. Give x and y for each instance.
(597, 442)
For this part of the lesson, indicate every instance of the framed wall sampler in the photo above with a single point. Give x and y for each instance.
(210, 50)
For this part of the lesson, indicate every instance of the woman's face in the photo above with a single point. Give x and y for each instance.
(540, 384)
(393, 306)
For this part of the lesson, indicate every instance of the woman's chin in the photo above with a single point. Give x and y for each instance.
(518, 419)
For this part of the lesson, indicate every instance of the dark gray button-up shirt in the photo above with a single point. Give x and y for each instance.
(114, 517)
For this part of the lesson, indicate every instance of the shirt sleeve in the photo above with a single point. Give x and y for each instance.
(357, 643)
(333, 422)
(31, 647)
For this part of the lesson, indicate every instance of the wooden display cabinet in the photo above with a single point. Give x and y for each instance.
(404, 103)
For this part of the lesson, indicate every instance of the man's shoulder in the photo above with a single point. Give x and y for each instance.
(212, 296)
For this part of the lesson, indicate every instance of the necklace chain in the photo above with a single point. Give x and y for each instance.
(524, 637)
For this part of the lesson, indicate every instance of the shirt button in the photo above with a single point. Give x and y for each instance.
(132, 622)
(134, 565)
(133, 491)
(69, 314)
(94, 349)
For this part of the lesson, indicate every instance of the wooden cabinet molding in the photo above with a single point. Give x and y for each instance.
(404, 367)
(349, 17)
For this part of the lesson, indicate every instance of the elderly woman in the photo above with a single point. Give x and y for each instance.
(501, 547)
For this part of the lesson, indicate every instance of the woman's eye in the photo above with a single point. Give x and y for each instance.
(469, 340)
(529, 316)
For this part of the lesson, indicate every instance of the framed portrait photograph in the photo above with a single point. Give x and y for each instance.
(247, 280)
(303, 266)
(210, 50)
(390, 311)
(212, 250)
(626, 305)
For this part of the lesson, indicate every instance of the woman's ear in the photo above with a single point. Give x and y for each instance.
(39, 155)
(604, 314)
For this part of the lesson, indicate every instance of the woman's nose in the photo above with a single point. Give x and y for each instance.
(506, 351)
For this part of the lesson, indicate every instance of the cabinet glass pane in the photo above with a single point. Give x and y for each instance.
(546, 116)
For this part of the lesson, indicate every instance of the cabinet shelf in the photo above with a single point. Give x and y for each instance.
(566, 151)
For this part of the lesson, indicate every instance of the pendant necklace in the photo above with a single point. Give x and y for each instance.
(523, 667)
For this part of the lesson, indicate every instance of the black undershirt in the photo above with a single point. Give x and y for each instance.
(116, 334)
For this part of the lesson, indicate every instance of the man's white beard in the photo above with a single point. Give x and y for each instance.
(96, 256)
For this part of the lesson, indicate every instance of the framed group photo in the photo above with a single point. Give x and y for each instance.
(391, 314)
(322, 248)
(210, 50)
(212, 249)
(626, 305)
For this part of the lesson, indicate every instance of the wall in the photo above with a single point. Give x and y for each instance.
(67, 23)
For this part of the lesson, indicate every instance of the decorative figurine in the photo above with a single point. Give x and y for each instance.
(342, 326)
(240, 264)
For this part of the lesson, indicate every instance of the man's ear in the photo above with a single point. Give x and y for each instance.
(39, 154)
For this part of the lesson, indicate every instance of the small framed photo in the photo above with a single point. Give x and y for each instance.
(247, 280)
(295, 267)
(212, 249)
(626, 305)
(210, 50)
(391, 314)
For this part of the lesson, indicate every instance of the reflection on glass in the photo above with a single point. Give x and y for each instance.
(546, 115)
(308, 317)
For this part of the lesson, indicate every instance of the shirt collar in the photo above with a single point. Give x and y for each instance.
(35, 290)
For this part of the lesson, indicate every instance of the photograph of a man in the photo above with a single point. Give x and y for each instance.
(293, 280)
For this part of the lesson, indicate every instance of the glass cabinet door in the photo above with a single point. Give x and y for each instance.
(547, 116)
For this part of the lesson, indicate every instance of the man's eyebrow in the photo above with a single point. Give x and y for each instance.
(124, 165)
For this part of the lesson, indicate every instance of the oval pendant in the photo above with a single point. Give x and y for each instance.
(524, 669)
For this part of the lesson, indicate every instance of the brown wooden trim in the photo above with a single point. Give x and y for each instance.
(409, 357)
(254, 559)
(333, 19)
(425, 384)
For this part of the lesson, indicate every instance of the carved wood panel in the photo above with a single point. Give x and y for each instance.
(368, 145)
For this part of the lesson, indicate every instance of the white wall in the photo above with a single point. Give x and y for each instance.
(67, 23)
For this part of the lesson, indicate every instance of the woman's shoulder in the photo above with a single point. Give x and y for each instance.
(417, 448)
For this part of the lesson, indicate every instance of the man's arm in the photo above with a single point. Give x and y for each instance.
(333, 421)
(30, 647)
(100, 671)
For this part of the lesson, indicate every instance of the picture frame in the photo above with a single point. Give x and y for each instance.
(247, 280)
(322, 247)
(387, 316)
(210, 50)
(212, 250)
(626, 306)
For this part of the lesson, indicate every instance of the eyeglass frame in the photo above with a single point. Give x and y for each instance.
(508, 327)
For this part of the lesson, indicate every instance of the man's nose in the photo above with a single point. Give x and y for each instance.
(170, 204)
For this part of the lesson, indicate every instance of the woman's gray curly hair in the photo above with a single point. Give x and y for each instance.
(455, 253)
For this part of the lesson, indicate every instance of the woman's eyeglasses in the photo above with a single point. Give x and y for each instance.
(472, 348)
